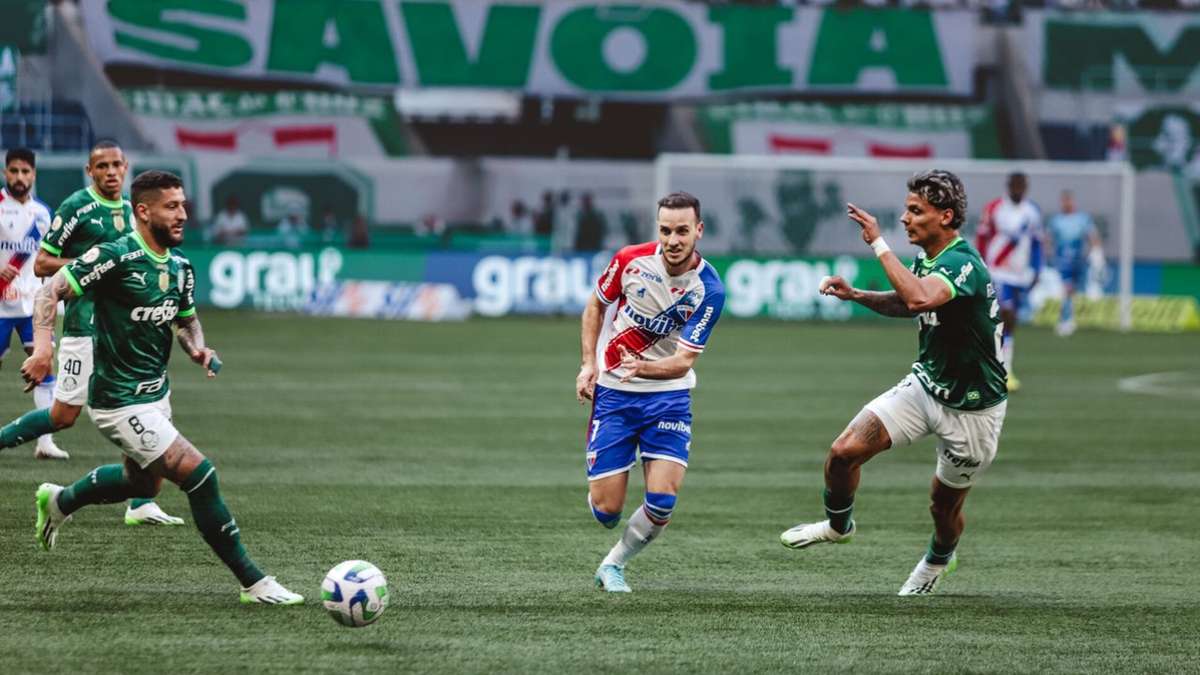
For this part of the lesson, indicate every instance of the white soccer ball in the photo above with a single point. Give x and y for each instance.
(354, 593)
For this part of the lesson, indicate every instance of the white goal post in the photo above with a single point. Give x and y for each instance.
(794, 204)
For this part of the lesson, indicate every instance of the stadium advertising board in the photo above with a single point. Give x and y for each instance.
(568, 47)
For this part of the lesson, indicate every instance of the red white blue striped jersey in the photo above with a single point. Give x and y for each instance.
(652, 313)
(1010, 240)
(21, 229)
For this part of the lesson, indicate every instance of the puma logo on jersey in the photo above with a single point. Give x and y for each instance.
(141, 277)
(157, 315)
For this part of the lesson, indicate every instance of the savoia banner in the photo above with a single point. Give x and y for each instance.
(659, 50)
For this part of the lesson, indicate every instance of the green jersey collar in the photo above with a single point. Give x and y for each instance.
(928, 262)
(91, 190)
(137, 236)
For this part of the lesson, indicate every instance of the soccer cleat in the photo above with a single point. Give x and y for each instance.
(1013, 383)
(149, 514)
(925, 577)
(611, 578)
(267, 591)
(46, 449)
(1065, 328)
(49, 518)
(815, 533)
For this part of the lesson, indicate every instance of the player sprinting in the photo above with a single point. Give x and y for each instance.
(23, 222)
(956, 390)
(1075, 239)
(653, 311)
(88, 217)
(1010, 241)
(141, 289)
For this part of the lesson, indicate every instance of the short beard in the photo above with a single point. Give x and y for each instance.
(19, 195)
(162, 237)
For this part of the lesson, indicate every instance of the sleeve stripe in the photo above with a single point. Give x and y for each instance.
(603, 300)
(187, 312)
(690, 346)
(953, 288)
(71, 280)
(51, 248)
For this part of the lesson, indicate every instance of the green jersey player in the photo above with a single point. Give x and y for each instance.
(141, 289)
(956, 389)
(91, 216)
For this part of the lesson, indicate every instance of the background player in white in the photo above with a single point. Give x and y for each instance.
(23, 221)
(653, 311)
(1075, 241)
(1010, 241)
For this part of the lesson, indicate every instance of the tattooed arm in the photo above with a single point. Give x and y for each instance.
(45, 310)
(191, 338)
(887, 303)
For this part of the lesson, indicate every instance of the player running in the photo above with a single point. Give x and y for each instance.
(23, 222)
(1010, 239)
(653, 311)
(142, 288)
(1075, 240)
(91, 216)
(956, 390)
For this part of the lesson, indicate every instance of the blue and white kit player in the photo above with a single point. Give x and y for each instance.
(1076, 239)
(653, 311)
(23, 221)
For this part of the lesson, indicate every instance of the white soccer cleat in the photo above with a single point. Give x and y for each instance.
(267, 591)
(149, 514)
(49, 517)
(808, 534)
(46, 449)
(611, 578)
(925, 577)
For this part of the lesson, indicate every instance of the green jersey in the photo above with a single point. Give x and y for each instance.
(958, 360)
(138, 294)
(82, 221)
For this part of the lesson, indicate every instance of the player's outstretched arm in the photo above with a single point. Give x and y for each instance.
(191, 338)
(887, 303)
(45, 310)
(673, 367)
(918, 294)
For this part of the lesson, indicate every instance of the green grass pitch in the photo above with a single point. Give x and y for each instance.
(450, 456)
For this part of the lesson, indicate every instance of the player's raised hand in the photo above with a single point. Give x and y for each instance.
(837, 287)
(630, 363)
(208, 359)
(868, 223)
(585, 382)
(35, 369)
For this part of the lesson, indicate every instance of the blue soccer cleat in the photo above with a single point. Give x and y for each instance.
(611, 578)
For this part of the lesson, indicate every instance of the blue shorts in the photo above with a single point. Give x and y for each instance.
(1073, 271)
(657, 424)
(1011, 296)
(23, 325)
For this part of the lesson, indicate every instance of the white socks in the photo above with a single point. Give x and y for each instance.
(639, 531)
(43, 397)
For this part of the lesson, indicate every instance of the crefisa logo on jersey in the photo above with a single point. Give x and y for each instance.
(157, 314)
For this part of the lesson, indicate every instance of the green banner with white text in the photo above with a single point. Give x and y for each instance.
(656, 50)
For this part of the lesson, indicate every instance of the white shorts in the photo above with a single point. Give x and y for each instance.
(143, 431)
(967, 440)
(74, 370)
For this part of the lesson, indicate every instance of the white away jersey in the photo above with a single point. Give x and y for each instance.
(1010, 240)
(21, 230)
(651, 314)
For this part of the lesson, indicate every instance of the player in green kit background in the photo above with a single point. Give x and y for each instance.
(142, 290)
(94, 215)
(956, 390)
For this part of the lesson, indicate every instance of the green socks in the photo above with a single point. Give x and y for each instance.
(26, 428)
(839, 511)
(104, 485)
(217, 527)
(135, 503)
(939, 554)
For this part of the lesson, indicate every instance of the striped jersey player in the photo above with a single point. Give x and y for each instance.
(654, 308)
(1010, 241)
(24, 220)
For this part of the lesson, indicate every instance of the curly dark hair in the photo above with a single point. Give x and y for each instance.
(152, 181)
(943, 190)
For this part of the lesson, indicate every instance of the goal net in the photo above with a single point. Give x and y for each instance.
(795, 205)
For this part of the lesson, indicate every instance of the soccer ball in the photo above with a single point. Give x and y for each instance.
(354, 593)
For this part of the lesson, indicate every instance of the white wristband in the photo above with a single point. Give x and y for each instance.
(880, 247)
